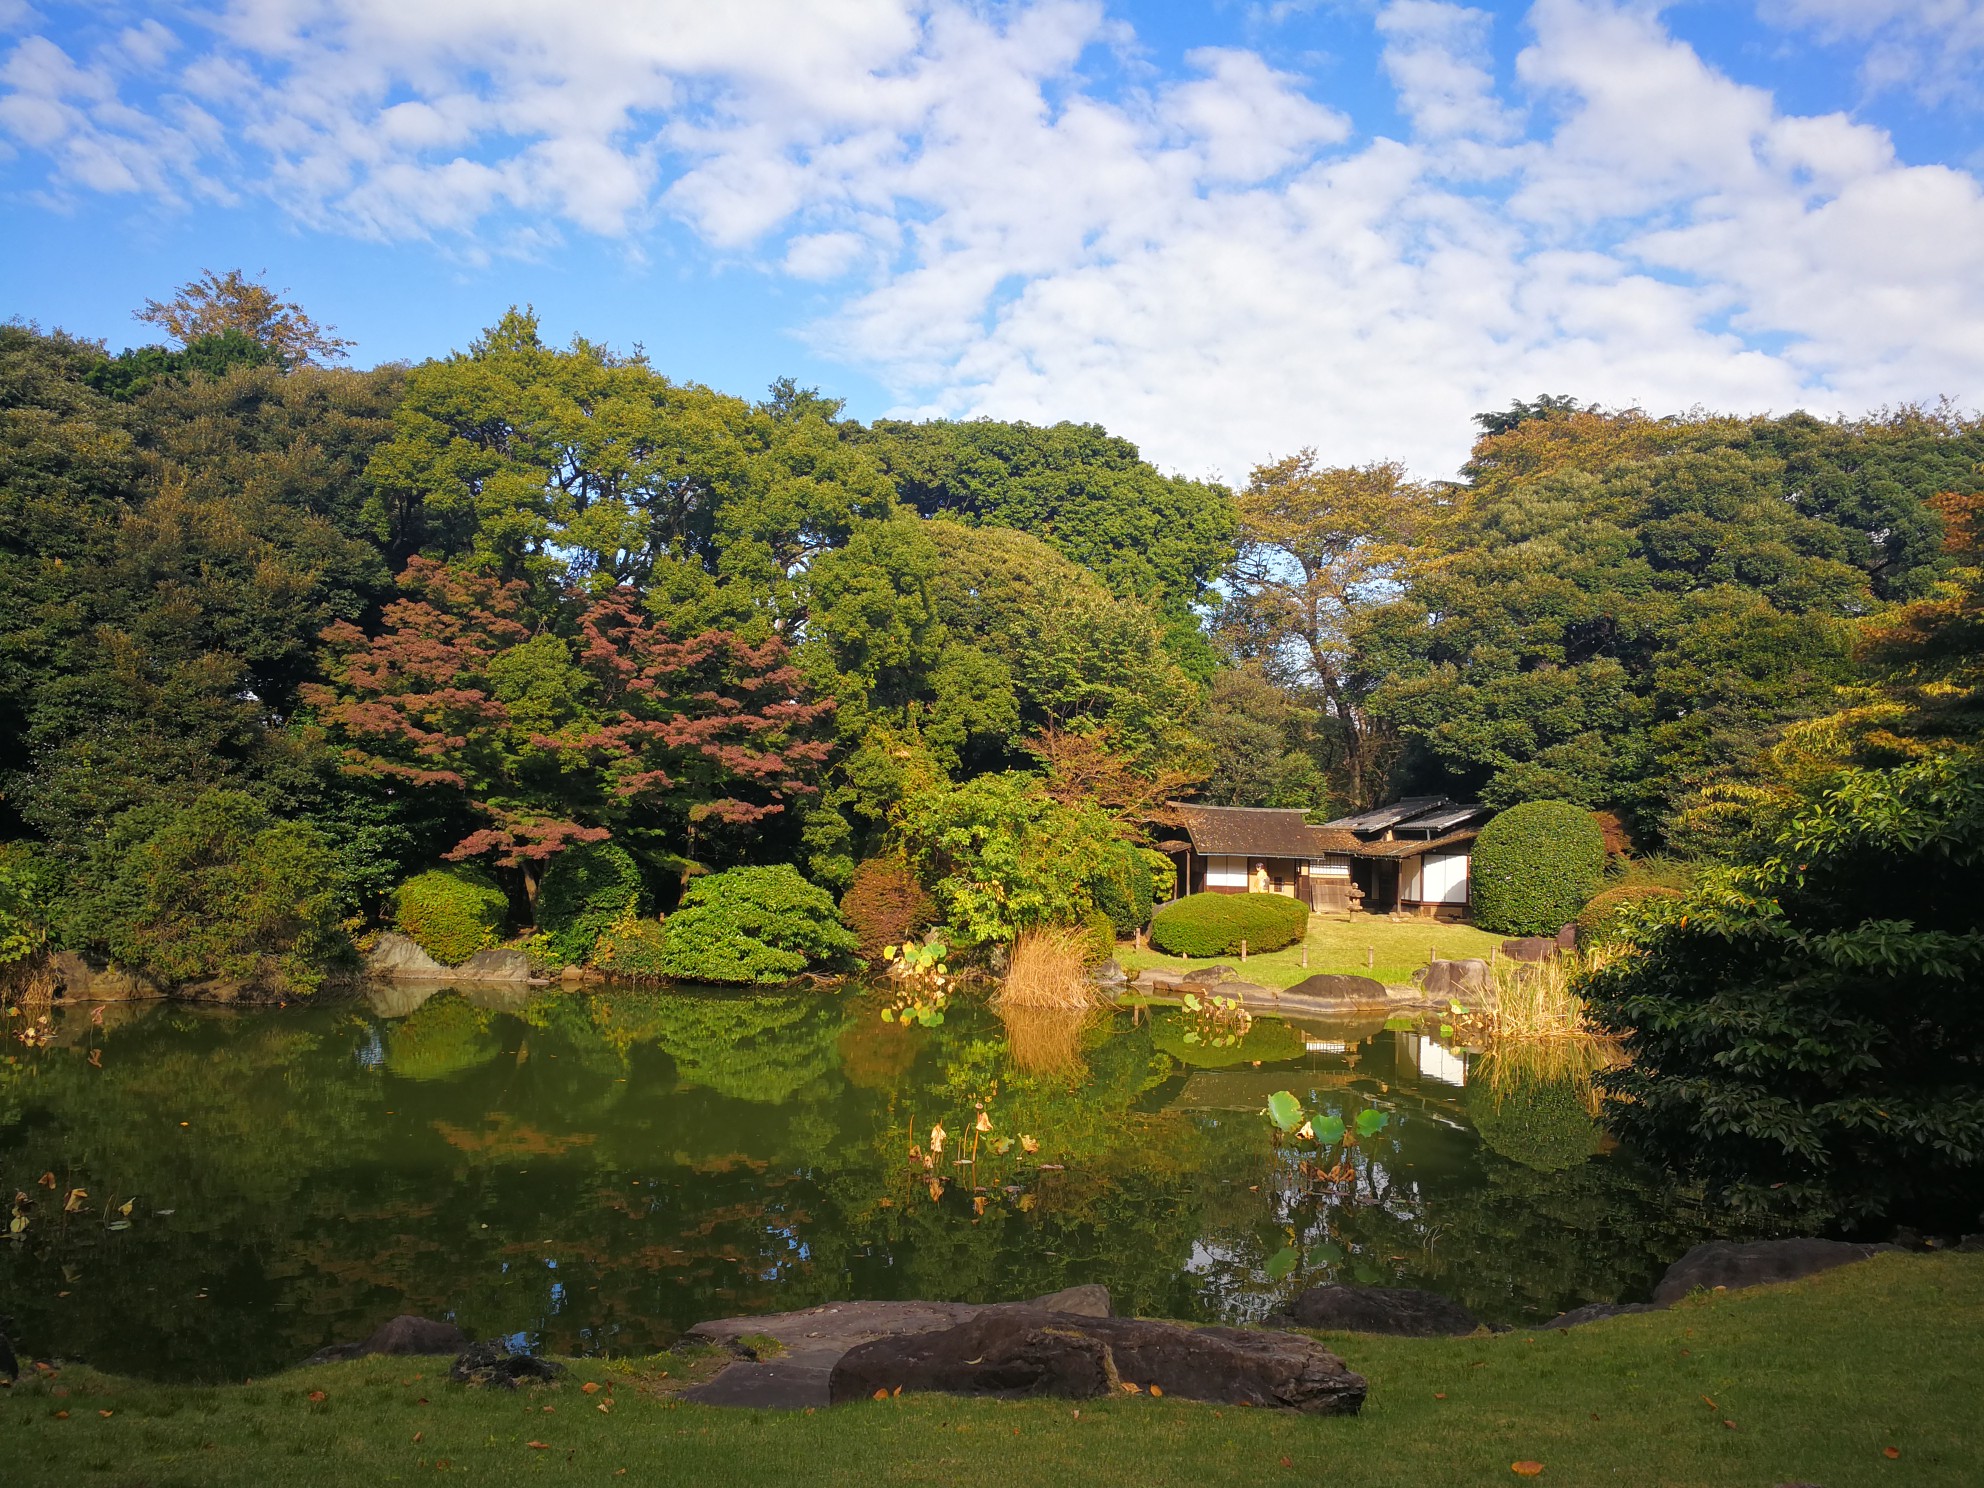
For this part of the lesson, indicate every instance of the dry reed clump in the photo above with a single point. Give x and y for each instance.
(1537, 1001)
(28, 983)
(1508, 1069)
(1047, 970)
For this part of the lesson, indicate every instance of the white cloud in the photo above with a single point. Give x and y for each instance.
(1216, 265)
(1934, 48)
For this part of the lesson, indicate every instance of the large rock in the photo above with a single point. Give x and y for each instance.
(88, 979)
(396, 955)
(1531, 948)
(1722, 1263)
(494, 966)
(1336, 987)
(405, 1334)
(1018, 1351)
(1207, 976)
(1401, 1311)
(812, 1341)
(1452, 980)
(1108, 974)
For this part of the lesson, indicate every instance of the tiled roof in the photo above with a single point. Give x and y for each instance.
(1255, 831)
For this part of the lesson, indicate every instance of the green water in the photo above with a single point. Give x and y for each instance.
(598, 1172)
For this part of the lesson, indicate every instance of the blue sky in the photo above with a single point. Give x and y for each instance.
(1226, 230)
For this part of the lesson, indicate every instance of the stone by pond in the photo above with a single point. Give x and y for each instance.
(590, 1172)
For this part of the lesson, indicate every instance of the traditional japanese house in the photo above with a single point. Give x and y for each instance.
(1411, 856)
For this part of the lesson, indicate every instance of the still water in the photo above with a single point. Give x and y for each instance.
(599, 1171)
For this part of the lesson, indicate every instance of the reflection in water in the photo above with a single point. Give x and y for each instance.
(598, 1171)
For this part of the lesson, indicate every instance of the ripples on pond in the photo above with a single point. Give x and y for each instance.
(599, 1171)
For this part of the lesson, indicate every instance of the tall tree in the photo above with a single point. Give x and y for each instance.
(568, 718)
(1320, 545)
(215, 304)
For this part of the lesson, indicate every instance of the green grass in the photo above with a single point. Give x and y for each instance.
(1396, 949)
(1817, 1377)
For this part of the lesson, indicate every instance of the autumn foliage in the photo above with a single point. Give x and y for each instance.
(563, 725)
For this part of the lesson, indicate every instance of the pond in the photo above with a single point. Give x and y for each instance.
(596, 1172)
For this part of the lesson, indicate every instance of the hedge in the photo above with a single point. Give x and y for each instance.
(1534, 866)
(1215, 924)
(752, 925)
(1601, 915)
(586, 891)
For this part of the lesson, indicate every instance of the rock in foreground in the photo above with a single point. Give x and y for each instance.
(1723, 1263)
(1399, 1311)
(1013, 1352)
(494, 1364)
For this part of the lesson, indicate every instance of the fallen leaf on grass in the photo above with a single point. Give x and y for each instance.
(590, 1387)
(108, 1414)
(61, 1415)
(419, 1435)
(882, 1394)
(317, 1397)
(604, 1406)
(1710, 1403)
(1525, 1469)
(1157, 1391)
(1890, 1452)
(1730, 1424)
(1130, 1388)
(537, 1446)
(1286, 1462)
(421, 1401)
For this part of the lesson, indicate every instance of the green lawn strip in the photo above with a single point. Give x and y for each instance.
(1395, 949)
(1819, 1377)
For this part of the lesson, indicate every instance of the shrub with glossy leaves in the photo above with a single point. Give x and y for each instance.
(1216, 924)
(752, 925)
(451, 913)
(586, 890)
(631, 947)
(1534, 866)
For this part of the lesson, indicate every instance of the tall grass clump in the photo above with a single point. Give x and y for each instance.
(1538, 1002)
(1047, 969)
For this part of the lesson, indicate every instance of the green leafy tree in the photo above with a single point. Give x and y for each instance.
(585, 892)
(215, 889)
(216, 304)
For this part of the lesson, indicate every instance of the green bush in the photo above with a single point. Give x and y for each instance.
(1534, 867)
(213, 888)
(450, 913)
(1600, 918)
(1215, 924)
(1101, 939)
(752, 925)
(28, 895)
(586, 890)
(631, 947)
(1124, 891)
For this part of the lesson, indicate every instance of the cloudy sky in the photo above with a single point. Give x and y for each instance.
(1225, 230)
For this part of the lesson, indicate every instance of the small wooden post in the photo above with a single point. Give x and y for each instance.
(1305, 955)
(1370, 957)
(1243, 953)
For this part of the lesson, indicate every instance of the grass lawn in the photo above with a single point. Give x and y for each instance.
(1812, 1382)
(1394, 948)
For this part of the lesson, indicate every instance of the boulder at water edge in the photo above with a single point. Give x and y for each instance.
(1531, 948)
(1014, 1352)
(1451, 980)
(1336, 987)
(1400, 1311)
(1722, 1263)
(405, 1334)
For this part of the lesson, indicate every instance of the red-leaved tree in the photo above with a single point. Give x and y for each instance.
(568, 725)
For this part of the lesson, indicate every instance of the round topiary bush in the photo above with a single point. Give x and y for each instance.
(1534, 867)
(451, 913)
(585, 892)
(752, 925)
(1215, 924)
(1601, 917)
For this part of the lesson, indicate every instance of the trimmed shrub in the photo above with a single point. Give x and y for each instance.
(451, 913)
(631, 947)
(1215, 924)
(1124, 891)
(1534, 867)
(885, 905)
(585, 892)
(1600, 918)
(214, 888)
(1099, 939)
(752, 925)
